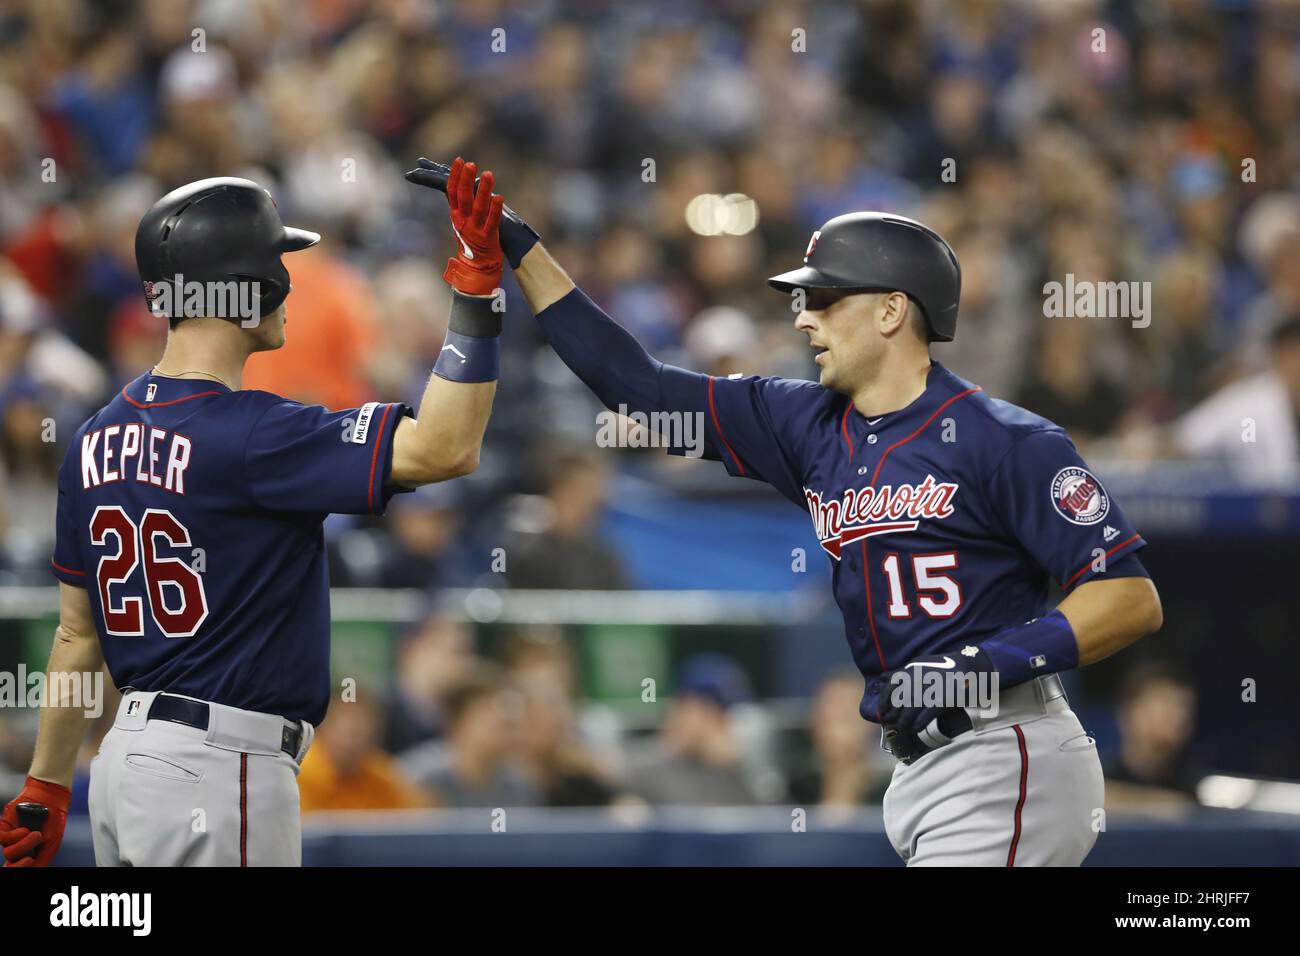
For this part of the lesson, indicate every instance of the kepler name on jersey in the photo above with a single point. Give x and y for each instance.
(107, 455)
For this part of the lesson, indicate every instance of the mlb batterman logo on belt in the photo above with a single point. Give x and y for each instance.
(1078, 496)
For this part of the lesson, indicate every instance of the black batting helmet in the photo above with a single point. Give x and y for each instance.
(217, 230)
(881, 252)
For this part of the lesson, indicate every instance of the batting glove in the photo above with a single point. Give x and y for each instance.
(517, 237)
(35, 847)
(910, 696)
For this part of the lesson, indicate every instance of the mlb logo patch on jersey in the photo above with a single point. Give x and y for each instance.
(364, 417)
(151, 391)
(133, 707)
(1038, 660)
(1078, 496)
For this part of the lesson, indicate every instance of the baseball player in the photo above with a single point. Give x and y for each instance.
(190, 551)
(943, 513)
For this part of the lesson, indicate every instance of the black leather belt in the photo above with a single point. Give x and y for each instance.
(908, 745)
(194, 713)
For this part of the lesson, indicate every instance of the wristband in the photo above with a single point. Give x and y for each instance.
(472, 350)
(474, 316)
(517, 237)
(1044, 645)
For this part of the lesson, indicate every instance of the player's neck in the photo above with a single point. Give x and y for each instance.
(898, 383)
(212, 349)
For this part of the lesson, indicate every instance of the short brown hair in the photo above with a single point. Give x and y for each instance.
(484, 680)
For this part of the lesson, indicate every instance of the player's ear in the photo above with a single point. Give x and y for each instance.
(893, 312)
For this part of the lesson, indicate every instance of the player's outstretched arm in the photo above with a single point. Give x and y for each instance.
(445, 438)
(597, 349)
(74, 660)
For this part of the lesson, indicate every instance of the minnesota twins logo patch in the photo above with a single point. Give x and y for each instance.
(1078, 496)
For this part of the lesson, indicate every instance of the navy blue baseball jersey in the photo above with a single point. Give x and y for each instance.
(943, 521)
(192, 515)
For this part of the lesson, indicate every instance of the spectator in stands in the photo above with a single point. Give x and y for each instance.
(851, 770)
(1254, 424)
(564, 769)
(16, 742)
(324, 360)
(567, 551)
(345, 769)
(29, 465)
(1156, 714)
(434, 656)
(1064, 384)
(565, 772)
(474, 765)
(423, 525)
(540, 651)
(696, 759)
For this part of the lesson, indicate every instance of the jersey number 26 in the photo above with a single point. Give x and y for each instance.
(174, 589)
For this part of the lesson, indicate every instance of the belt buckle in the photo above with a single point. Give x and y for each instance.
(291, 739)
(903, 744)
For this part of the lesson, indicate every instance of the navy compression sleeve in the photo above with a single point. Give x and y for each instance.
(603, 354)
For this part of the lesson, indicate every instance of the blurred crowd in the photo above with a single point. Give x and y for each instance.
(1151, 142)
(1148, 142)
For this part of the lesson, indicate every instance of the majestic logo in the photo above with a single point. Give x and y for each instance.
(812, 244)
(1078, 496)
(864, 512)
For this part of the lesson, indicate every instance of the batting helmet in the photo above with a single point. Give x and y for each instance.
(881, 252)
(217, 230)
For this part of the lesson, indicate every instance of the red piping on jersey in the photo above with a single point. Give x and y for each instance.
(174, 401)
(718, 427)
(243, 809)
(60, 567)
(844, 427)
(1123, 544)
(871, 618)
(904, 441)
(374, 459)
(1024, 787)
(866, 581)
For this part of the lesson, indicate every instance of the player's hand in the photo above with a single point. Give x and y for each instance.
(517, 237)
(899, 696)
(24, 847)
(475, 218)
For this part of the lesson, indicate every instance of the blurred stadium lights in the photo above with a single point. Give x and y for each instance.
(1244, 793)
(711, 214)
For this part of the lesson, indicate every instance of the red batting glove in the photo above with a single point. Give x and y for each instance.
(23, 847)
(475, 217)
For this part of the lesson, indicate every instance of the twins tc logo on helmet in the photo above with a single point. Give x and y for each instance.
(812, 244)
(1078, 496)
